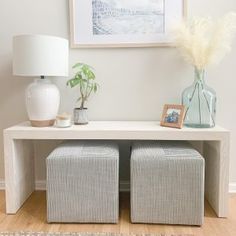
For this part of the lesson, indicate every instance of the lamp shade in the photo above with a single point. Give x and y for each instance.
(40, 55)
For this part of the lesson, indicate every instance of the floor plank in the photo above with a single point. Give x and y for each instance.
(32, 217)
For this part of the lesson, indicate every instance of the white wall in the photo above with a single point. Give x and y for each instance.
(135, 83)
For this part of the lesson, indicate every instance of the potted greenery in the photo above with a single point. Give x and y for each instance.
(84, 78)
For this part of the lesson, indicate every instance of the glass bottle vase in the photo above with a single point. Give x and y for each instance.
(200, 103)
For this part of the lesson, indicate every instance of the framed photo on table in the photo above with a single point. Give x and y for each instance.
(124, 23)
(173, 116)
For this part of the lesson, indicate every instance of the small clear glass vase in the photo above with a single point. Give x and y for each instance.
(200, 103)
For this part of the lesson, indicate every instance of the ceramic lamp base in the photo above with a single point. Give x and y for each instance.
(42, 123)
(42, 102)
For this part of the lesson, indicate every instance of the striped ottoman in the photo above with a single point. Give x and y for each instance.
(82, 183)
(167, 183)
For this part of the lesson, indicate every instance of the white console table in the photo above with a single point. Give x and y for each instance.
(19, 154)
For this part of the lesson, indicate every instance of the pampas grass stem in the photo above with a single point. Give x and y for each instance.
(203, 41)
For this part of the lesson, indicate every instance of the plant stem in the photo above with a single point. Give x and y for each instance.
(197, 72)
(82, 97)
(208, 106)
(199, 105)
(191, 99)
(82, 104)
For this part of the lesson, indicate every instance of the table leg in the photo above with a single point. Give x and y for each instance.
(216, 154)
(19, 172)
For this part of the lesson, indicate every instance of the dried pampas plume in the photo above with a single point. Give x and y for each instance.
(203, 42)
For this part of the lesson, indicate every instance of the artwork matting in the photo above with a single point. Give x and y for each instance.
(122, 23)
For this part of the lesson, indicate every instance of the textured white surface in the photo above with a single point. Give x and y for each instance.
(215, 151)
(116, 130)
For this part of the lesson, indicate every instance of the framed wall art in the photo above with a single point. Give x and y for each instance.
(124, 23)
(173, 116)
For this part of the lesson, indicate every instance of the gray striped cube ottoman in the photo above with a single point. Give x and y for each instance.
(167, 183)
(82, 182)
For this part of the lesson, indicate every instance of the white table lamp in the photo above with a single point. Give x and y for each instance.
(41, 56)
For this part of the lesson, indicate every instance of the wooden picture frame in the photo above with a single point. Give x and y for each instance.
(83, 21)
(173, 116)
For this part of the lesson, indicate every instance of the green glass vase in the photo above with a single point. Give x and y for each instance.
(200, 103)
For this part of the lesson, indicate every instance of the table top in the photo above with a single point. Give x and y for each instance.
(120, 130)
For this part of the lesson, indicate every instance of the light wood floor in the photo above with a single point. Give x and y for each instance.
(32, 217)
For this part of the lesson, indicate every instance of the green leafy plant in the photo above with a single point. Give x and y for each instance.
(84, 78)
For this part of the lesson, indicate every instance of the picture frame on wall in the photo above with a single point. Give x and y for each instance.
(124, 23)
(173, 116)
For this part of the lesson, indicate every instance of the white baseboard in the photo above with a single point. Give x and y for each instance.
(232, 187)
(2, 184)
(124, 186)
(41, 185)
